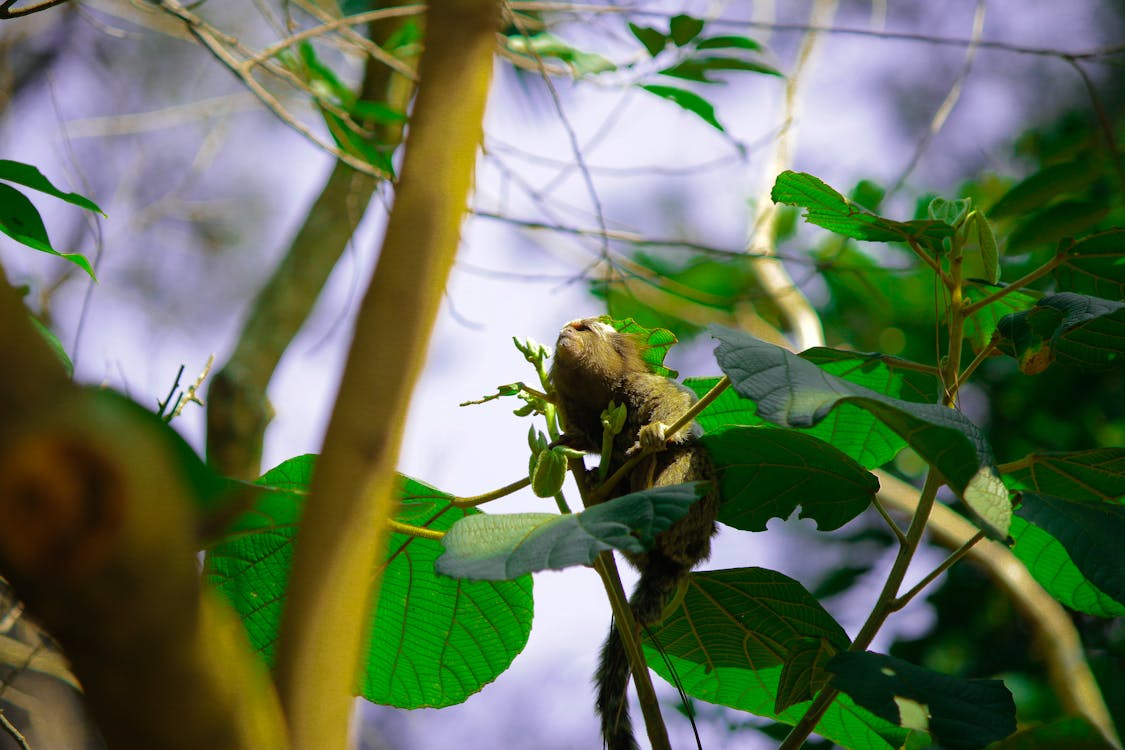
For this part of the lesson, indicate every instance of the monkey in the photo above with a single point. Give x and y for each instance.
(594, 364)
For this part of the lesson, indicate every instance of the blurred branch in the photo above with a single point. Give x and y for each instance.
(216, 43)
(333, 591)
(1055, 635)
(6, 11)
(112, 575)
(239, 410)
(798, 315)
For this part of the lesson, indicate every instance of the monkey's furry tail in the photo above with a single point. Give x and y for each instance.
(659, 578)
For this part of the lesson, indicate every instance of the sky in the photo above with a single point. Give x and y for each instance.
(203, 189)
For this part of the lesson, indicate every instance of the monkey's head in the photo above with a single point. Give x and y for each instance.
(592, 357)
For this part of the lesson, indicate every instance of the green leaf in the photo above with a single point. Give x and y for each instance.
(53, 342)
(696, 69)
(1090, 533)
(951, 212)
(849, 429)
(683, 28)
(688, 100)
(1094, 476)
(20, 220)
(1049, 564)
(728, 42)
(503, 546)
(377, 112)
(1073, 329)
(1090, 476)
(1094, 265)
(29, 176)
(728, 641)
(655, 342)
(980, 326)
(1044, 187)
(1068, 733)
(960, 714)
(434, 642)
(804, 672)
(989, 252)
(654, 41)
(792, 392)
(767, 473)
(829, 209)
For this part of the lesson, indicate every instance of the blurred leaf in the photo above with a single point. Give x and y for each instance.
(768, 473)
(1067, 733)
(1094, 265)
(53, 342)
(803, 674)
(792, 392)
(839, 580)
(20, 220)
(654, 42)
(696, 69)
(1043, 187)
(960, 714)
(729, 640)
(1073, 329)
(728, 42)
(30, 176)
(1063, 219)
(503, 546)
(1090, 533)
(544, 44)
(377, 112)
(688, 100)
(868, 194)
(850, 429)
(434, 641)
(683, 28)
(829, 209)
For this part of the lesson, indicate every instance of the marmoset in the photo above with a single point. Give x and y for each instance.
(593, 365)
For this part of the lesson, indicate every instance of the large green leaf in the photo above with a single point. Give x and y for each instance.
(1090, 533)
(804, 673)
(827, 208)
(767, 473)
(1094, 265)
(793, 392)
(1066, 218)
(1043, 187)
(500, 547)
(960, 714)
(1070, 328)
(434, 641)
(850, 429)
(980, 326)
(20, 220)
(730, 638)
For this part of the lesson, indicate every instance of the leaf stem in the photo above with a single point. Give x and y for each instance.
(398, 527)
(929, 261)
(946, 564)
(1016, 285)
(982, 355)
(475, 500)
(890, 521)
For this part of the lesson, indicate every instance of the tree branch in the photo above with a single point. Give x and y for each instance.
(354, 493)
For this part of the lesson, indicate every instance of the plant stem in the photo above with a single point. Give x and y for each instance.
(883, 608)
(890, 521)
(421, 532)
(475, 500)
(1016, 285)
(627, 626)
(946, 564)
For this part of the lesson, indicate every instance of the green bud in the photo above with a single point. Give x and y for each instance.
(548, 472)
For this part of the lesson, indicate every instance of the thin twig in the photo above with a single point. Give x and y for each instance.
(890, 521)
(475, 500)
(946, 564)
(398, 527)
(6, 12)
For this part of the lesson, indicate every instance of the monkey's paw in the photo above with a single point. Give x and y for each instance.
(651, 439)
